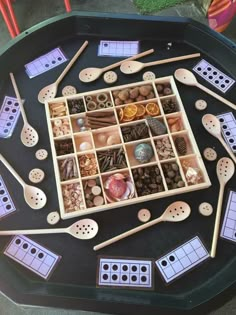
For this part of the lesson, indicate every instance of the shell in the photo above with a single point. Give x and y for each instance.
(117, 188)
(143, 152)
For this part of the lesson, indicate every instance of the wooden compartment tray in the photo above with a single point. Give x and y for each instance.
(93, 137)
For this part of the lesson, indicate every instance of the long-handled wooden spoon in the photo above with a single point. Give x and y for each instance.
(188, 78)
(129, 67)
(50, 91)
(84, 229)
(92, 74)
(212, 125)
(34, 196)
(224, 170)
(176, 212)
(29, 136)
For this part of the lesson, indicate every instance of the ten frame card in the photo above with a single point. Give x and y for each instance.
(32, 255)
(9, 114)
(183, 258)
(6, 204)
(125, 273)
(228, 230)
(228, 129)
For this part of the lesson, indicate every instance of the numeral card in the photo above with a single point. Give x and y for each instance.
(45, 62)
(32, 256)
(228, 129)
(214, 76)
(182, 259)
(118, 48)
(228, 230)
(9, 114)
(6, 204)
(126, 273)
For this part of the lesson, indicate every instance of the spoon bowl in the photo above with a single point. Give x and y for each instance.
(212, 125)
(34, 197)
(29, 136)
(130, 67)
(176, 212)
(90, 74)
(47, 93)
(185, 76)
(225, 170)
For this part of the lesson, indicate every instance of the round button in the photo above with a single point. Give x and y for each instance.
(41, 154)
(36, 175)
(53, 218)
(205, 209)
(200, 104)
(110, 77)
(210, 154)
(144, 215)
(149, 75)
(68, 90)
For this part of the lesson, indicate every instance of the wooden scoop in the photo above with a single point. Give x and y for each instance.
(224, 170)
(188, 78)
(84, 229)
(212, 125)
(34, 196)
(176, 212)
(29, 136)
(50, 91)
(129, 67)
(92, 74)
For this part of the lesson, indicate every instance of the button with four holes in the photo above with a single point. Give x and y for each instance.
(205, 209)
(110, 77)
(149, 75)
(41, 154)
(36, 175)
(53, 218)
(210, 154)
(68, 90)
(200, 104)
(144, 215)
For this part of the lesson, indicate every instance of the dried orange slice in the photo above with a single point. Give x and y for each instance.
(120, 114)
(125, 118)
(140, 110)
(130, 110)
(152, 109)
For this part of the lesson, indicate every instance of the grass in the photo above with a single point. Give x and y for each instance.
(150, 6)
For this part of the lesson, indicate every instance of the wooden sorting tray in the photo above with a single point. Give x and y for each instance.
(63, 128)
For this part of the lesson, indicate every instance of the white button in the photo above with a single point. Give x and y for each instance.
(144, 215)
(110, 77)
(36, 175)
(205, 209)
(53, 218)
(210, 154)
(149, 75)
(200, 104)
(68, 90)
(41, 154)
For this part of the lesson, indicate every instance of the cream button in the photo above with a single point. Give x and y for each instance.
(149, 75)
(68, 90)
(36, 175)
(110, 77)
(41, 154)
(210, 154)
(200, 104)
(53, 218)
(144, 215)
(205, 209)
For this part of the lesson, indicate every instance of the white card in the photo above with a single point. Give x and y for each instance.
(9, 114)
(228, 129)
(118, 48)
(6, 204)
(228, 230)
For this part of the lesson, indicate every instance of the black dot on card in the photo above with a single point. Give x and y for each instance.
(33, 251)
(210, 77)
(105, 276)
(7, 109)
(143, 269)
(125, 268)
(199, 69)
(234, 147)
(226, 81)
(231, 140)
(59, 58)
(214, 72)
(25, 246)
(4, 199)
(124, 278)
(228, 133)
(18, 241)
(5, 130)
(40, 255)
(224, 127)
(216, 81)
(16, 104)
(223, 86)
(221, 119)
(115, 267)
(105, 45)
(2, 192)
(134, 278)
(143, 278)
(235, 234)
(172, 258)
(114, 277)
(205, 73)
(221, 77)
(209, 68)
(53, 62)
(9, 102)
(164, 263)
(46, 65)
(8, 207)
(11, 117)
(134, 268)
(13, 111)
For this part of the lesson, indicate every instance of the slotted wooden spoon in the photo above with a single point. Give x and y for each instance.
(176, 212)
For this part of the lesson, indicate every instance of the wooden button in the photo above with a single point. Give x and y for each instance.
(57, 122)
(41, 154)
(68, 90)
(96, 190)
(205, 208)
(144, 215)
(36, 175)
(149, 75)
(210, 154)
(98, 201)
(53, 218)
(110, 77)
(200, 104)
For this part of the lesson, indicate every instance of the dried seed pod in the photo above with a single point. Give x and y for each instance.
(157, 127)
(181, 145)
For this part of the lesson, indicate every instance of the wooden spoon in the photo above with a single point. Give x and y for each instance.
(34, 196)
(50, 91)
(224, 170)
(92, 74)
(29, 136)
(212, 125)
(129, 67)
(176, 212)
(188, 78)
(84, 229)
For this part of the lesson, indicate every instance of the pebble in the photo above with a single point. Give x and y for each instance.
(172, 175)
(76, 106)
(164, 149)
(84, 146)
(143, 152)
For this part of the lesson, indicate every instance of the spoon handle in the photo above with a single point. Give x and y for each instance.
(28, 232)
(13, 81)
(217, 221)
(168, 60)
(231, 154)
(218, 97)
(70, 64)
(10, 168)
(117, 64)
(128, 233)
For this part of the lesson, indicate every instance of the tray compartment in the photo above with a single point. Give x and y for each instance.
(61, 127)
(170, 104)
(58, 109)
(72, 194)
(108, 136)
(111, 159)
(76, 105)
(175, 122)
(93, 192)
(83, 142)
(192, 171)
(140, 152)
(173, 176)
(67, 168)
(98, 101)
(87, 164)
(164, 148)
(64, 146)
